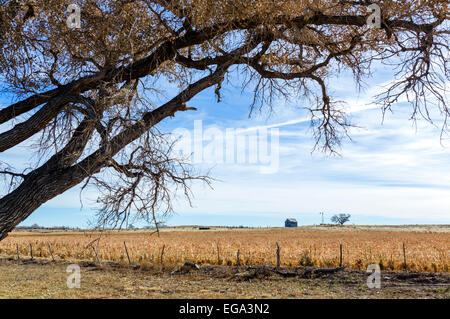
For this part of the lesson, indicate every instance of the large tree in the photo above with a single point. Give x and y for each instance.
(84, 97)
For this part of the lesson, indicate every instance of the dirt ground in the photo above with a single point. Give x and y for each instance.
(43, 279)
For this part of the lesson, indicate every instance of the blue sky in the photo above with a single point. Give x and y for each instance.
(390, 173)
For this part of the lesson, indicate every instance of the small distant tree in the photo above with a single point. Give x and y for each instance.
(35, 226)
(131, 226)
(340, 219)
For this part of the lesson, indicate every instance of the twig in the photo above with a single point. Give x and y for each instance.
(320, 271)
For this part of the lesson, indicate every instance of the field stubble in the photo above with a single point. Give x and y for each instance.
(426, 251)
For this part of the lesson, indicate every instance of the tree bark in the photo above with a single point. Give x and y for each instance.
(65, 169)
(32, 193)
(57, 175)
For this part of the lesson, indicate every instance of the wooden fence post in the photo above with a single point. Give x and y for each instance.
(51, 253)
(238, 260)
(340, 254)
(126, 250)
(218, 254)
(404, 257)
(91, 244)
(162, 255)
(31, 251)
(278, 256)
(18, 256)
(96, 254)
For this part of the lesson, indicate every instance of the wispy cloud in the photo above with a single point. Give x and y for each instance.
(391, 169)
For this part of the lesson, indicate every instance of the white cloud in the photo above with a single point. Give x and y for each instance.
(389, 170)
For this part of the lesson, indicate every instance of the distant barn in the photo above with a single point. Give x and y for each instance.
(290, 222)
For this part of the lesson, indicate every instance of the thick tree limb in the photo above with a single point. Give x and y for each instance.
(175, 42)
(167, 51)
(47, 181)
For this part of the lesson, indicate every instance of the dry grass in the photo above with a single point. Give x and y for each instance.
(49, 281)
(427, 248)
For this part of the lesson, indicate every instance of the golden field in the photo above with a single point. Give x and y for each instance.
(427, 247)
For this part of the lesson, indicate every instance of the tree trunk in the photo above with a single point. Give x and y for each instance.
(32, 193)
(60, 173)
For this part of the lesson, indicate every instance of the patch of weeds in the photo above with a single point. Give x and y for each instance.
(306, 260)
